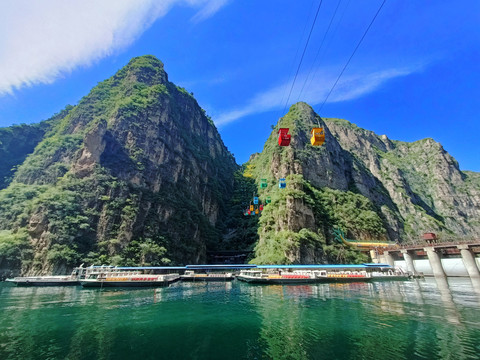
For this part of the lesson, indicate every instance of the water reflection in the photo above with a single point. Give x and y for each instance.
(431, 318)
(476, 286)
(418, 318)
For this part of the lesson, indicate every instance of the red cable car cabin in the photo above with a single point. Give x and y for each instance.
(284, 137)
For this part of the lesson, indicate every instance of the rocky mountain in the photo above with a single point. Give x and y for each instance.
(425, 183)
(368, 185)
(135, 173)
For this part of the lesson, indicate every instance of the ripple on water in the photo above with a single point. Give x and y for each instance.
(402, 320)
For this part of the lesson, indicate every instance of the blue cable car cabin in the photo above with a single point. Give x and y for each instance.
(282, 183)
(255, 200)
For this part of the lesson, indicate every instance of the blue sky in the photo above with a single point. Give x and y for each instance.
(415, 75)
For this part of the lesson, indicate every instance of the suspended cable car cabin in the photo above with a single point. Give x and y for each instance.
(282, 184)
(256, 211)
(251, 207)
(261, 207)
(263, 183)
(255, 200)
(248, 212)
(284, 137)
(318, 136)
(268, 200)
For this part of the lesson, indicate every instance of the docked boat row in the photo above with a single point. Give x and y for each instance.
(110, 276)
(307, 274)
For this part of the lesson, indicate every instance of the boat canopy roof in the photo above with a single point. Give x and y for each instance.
(222, 266)
(149, 268)
(244, 266)
(323, 266)
(377, 265)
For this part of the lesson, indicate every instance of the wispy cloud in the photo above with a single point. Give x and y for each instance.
(348, 88)
(42, 40)
(210, 7)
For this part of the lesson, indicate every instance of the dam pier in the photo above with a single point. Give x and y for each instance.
(435, 259)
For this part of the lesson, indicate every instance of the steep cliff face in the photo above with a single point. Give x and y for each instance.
(18, 141)
(135, 171)
(370, 186)
(326, 187)
(424, 181)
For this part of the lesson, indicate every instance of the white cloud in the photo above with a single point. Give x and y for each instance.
(348, 88)
(210, 8)
(42, 40)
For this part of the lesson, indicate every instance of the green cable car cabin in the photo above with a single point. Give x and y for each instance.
(263, 183)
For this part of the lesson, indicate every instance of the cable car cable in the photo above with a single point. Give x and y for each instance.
(319, 48)
(296, 53)
(303, 54)
(330, 40)
(353, 53)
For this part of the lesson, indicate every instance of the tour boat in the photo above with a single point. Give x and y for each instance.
(210, 276)
(44, 281)
(283, 276)
(51, 280)
(260, 277)
(343, 276)
(389, 274)
(129, 279)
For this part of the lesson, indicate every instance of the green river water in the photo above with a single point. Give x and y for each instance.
(416, 319)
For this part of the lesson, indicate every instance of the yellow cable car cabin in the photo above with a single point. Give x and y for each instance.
(318, 136)
(251, 207)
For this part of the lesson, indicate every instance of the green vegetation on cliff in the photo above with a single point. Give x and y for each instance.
(428, 192)
(296, 226)
(330, 208)
(136, 173)
(18, 141)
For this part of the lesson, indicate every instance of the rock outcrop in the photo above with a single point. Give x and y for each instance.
(136, 161)
(372, 187)
(423, 180)
(137, 173)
